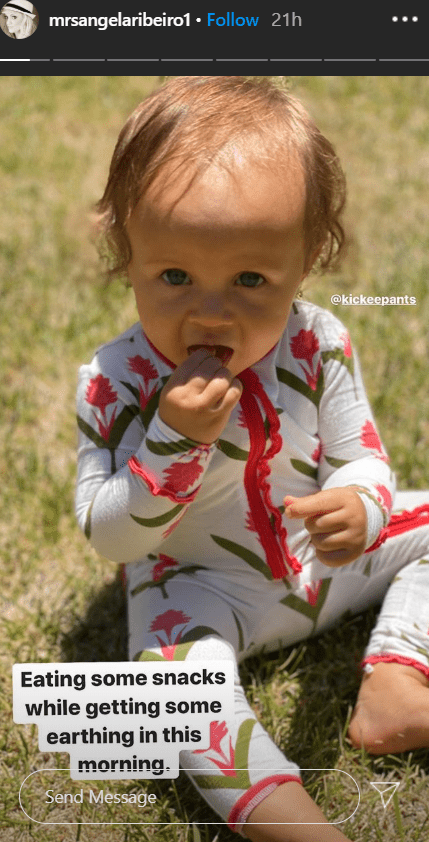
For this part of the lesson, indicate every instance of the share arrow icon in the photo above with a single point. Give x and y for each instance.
(385, 787)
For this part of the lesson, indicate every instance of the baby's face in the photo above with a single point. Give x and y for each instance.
(221, 264)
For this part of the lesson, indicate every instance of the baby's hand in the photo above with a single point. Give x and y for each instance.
(199, 397)
(336, 521)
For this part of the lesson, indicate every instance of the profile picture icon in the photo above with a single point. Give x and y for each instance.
(19, 19)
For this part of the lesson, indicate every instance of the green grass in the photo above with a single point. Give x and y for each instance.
(60, 602)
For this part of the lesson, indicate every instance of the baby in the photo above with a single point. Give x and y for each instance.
(228, 455)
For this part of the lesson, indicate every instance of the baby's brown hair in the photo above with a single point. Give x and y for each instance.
(187, 123)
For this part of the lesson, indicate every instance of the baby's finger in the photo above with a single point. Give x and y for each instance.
(329, 541)
(222, 392)
(209, 370)
(326, 523)
(189, 367)
(314, 505)
(216, 385)
(336, 558)
(232, 395)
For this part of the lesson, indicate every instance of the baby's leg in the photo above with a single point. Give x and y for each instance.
(392, 711)
(241, 773)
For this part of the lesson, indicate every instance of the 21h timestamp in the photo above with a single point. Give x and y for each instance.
(286, 19)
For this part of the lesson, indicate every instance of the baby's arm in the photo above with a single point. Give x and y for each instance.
(346, 517)
(133, 486)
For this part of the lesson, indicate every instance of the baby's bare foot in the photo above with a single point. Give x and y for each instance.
(392, 710)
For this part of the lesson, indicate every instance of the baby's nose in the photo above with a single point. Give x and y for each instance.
(211, 311)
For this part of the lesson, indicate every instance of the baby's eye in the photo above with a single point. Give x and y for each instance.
(176, 277)
(250, 279)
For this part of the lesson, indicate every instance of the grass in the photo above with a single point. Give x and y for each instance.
(60, 602)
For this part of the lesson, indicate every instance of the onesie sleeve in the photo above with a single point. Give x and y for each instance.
(351, 450)
(136, 475)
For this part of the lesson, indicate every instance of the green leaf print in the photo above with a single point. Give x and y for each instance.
(239, 632)
(241, 759)
(152, 405)
(124, 419)
(91, 433)
(338, 354)
(147, 655)
(232, 450)
(418, 649)
(335, 463)
(304, 468)
(267, 424)
(166, 448)
(133, 389)
(188, 570)
(127, 414)
(148, 412)
(294, 382)
(197, 633)
(87, 527)
(161, 519)
(243, 552)
(311, 611)
(241, 779)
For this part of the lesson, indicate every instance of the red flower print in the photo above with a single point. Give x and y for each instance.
(313, 592)
(175, 523)
(105, 429)
(166, 622)
(304, 346)
(317, 453)
(218, 731)
(145, 396)
(100, 394)
(369, 438)
(241, 419)
(347, 344)
(181, 475)
(384, 497)
(148, 372)
(164, 561)
(142, 367)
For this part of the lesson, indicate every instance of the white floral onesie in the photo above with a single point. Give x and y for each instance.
(213, 568)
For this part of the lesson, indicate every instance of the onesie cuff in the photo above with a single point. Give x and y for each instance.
(374, 518)
(257, 793)
(169, 463)
(393, 659)
(159, 431)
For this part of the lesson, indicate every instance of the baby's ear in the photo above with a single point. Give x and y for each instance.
(311, 260)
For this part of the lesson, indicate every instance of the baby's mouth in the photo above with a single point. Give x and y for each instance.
(222, 352)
